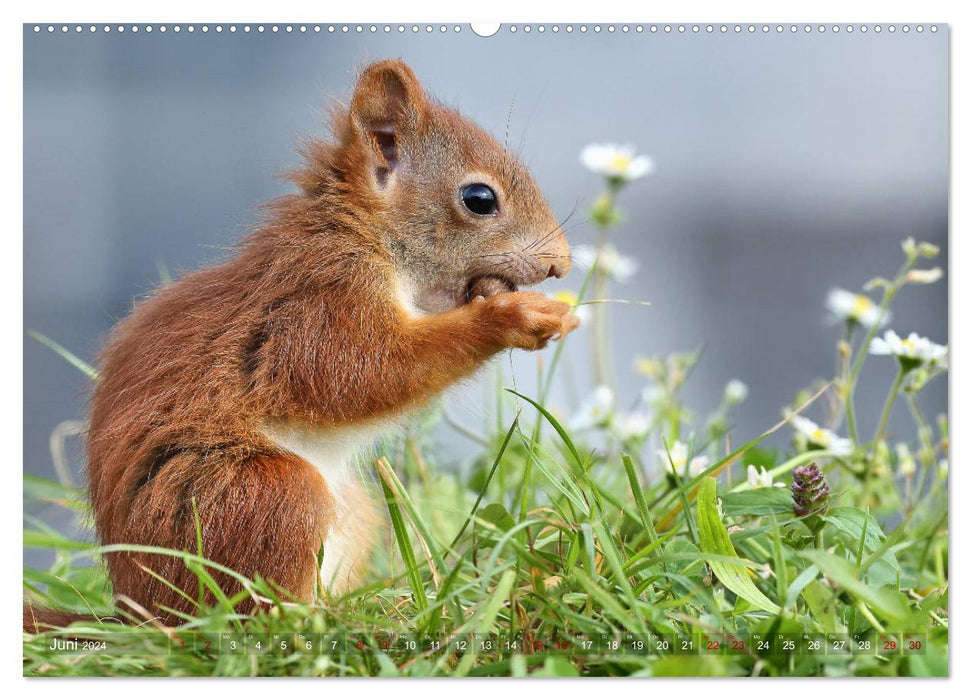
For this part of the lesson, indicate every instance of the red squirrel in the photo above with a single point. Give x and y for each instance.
(249, 387)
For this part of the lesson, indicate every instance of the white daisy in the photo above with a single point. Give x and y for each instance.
(821, 437)
(857, 308)
(914, 350)
(596, 410)
(677, 462)
(611, 262)
(616, 162)
(759, 478)
(581, 312)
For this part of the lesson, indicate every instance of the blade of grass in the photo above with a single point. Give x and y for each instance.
(609, 602)
(198, 526)
(681, 492)
(580, 466)
(642, 509)
(578, 461)
(487, 616)
(492, 472)
(73, 359)
(404, 544)
(779, 559)
(844, 574)
(425, 539)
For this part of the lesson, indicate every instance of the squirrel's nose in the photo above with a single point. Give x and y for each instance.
(556, 271)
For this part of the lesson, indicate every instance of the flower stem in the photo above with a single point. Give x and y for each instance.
(927, 452)
(888, 294)
(603, 374)
(888, 404)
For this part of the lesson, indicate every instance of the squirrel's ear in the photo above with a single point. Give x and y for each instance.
(388, 105)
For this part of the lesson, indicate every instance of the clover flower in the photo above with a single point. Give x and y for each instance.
(911, 352)
(810, 495)
(821, 437)
(759, 478)
(855, 308)
(677, 462)
(618, 164)
(596, 410)
(610, 262)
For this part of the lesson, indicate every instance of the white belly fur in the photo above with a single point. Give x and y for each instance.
(332, 451)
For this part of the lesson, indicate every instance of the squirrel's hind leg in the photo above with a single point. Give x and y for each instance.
(264, 514)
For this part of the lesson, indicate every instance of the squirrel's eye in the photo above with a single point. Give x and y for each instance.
(479, 199)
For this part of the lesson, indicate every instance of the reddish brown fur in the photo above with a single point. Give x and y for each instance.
(305, 325)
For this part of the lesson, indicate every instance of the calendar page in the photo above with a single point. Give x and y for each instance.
(486, 350)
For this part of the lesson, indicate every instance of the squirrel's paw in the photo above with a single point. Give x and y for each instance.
(529, 320)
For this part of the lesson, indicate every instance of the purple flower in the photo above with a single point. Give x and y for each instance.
(810, 494)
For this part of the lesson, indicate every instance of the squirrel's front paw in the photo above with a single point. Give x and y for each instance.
(529, 320)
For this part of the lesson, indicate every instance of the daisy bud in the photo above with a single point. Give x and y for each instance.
(603, 211)
(917, 380)
(649, 367)
(906, 466)
(924, 276)
(717, 425)
(928, 250)
(881, 457)
(910, 248)
(735, 392)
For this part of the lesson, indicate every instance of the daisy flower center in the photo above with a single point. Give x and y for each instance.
(861, 305)
(620, 161)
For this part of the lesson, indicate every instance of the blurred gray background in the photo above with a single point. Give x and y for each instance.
(786, 164)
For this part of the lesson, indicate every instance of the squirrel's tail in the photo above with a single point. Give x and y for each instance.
(38, 619)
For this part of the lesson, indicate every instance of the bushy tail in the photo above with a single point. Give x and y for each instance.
(37, 619)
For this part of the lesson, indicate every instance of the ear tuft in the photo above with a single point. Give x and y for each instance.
(388, 105)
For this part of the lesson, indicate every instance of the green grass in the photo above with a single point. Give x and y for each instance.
(586, 562)
(579, 537)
